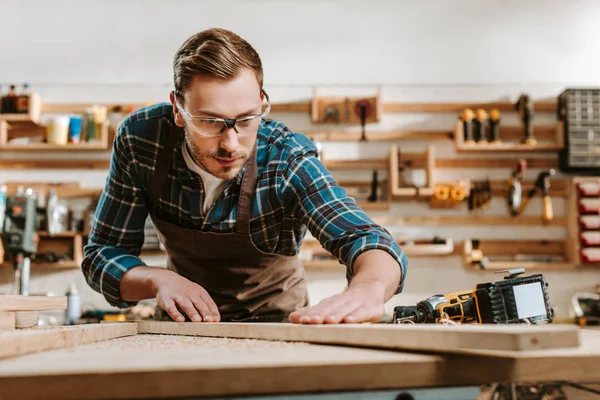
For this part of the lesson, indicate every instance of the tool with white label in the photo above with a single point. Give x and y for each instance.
(512, 300)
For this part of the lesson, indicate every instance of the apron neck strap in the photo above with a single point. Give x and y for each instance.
(165, 159)
(246, 195)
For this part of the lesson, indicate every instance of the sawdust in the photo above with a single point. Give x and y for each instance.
(166, 342)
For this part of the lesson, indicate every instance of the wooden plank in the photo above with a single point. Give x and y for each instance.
(508, 148)
(305, 107)
(41, 147)
(517, 133)
(55, 164)
(374, 206)
(458, 107)
(512, 247)
(381, 136)
(420, 248)
(193, 367)
(152, 366)
(510, 163)
(528, 265)
(380, 163)
(475, 220)
(7, 320)
(504, 146)
(27, 341)
(26, 319)
(32, 303)
(558, 187)
(469, 339)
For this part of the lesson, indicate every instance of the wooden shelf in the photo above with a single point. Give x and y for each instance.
(306, 107)
(485, 147)
(374, 206)
(528, 265)
(458, 107)
(369, 164)
(101, 145)
(513, 247)
(500, 163)
(31, 117)
(346, 109)
(64, 190)
(381, 136)
(55, 164)
(558, 187)
(426, 160)
(420, 248)
(474, 220)
(54, 147)
(56, 265)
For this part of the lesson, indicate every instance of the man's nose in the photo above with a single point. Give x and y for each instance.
(229, 140)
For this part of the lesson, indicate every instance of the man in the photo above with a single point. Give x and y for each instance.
(231, 195)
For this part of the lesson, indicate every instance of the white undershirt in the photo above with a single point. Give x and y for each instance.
(213, 186)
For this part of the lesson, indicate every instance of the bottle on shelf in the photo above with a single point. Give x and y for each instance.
(3, 190)
(11, 100)
(23, 100)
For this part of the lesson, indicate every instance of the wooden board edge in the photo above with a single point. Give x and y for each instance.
(26, 341)
(432, 338)
(32, 303)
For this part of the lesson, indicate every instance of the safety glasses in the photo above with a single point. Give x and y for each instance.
(214, 127)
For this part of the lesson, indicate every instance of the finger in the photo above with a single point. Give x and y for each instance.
(212, 306)
(295, 316)
(338, 314)
(169, 306)
(332, 311)
(316, 314)
(186, 305)
(366, 314)
(202, 308)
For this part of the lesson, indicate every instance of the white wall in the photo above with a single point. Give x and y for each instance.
(426, 51)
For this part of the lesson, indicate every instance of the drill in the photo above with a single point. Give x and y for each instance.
(20, 238)
(508, 301)
(467, 117)
(494, 126)
(525, 108)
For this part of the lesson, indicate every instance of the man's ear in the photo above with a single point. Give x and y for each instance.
(176, 114)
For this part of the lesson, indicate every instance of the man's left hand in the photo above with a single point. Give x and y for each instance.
(362, 302)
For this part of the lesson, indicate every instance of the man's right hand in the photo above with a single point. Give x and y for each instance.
(174, 293)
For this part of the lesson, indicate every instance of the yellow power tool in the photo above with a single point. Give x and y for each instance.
(512, 300)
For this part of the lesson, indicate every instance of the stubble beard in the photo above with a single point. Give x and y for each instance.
(201, 159)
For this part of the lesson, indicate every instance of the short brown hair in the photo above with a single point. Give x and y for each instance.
(216, 52)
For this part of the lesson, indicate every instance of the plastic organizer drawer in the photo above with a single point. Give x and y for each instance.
(591, 255)
(590, 221)
(589, 205)
(589, 189)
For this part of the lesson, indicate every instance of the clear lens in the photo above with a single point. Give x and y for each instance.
(213, 127)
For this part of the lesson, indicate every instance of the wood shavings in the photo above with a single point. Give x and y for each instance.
(165, 342)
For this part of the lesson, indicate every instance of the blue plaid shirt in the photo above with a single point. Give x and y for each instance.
(294, 192)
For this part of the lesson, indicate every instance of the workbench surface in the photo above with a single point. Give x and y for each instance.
(155, 366)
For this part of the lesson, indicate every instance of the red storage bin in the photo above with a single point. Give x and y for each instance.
(589, 222)
(589, 189)
(590, 255)
(589, 205)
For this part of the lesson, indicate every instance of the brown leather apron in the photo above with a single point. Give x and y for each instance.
(246, 283)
